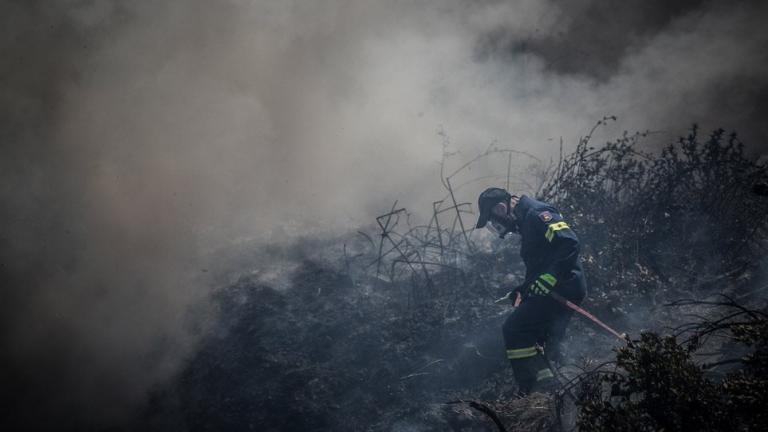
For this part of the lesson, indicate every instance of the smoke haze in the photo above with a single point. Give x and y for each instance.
(140, 137)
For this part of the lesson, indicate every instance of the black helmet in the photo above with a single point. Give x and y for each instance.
(489, 198)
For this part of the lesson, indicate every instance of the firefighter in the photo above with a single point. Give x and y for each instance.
(550, 250)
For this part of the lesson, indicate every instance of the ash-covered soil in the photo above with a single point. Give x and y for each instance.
(328, 351)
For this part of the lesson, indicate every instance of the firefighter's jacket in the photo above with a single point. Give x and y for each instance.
(549, 246)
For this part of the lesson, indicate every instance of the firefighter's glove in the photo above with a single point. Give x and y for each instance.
(543, 285)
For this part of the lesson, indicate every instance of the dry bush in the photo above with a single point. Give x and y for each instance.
(659, 385)
(676, 220)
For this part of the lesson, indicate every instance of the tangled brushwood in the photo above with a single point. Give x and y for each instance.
(673, 221)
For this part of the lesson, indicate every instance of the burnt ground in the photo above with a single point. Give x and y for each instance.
(326, 352)
(323, 355)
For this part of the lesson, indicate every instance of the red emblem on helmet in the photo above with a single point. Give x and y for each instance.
(545, 216)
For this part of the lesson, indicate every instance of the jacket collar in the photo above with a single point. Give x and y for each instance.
(522, 207)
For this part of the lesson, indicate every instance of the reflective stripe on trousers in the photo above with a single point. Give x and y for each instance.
(544, 374)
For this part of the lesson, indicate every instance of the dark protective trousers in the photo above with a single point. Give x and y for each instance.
(538, 324)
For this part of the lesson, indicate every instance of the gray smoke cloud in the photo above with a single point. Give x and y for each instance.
(141, 137)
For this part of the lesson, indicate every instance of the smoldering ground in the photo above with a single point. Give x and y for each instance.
(139, 138)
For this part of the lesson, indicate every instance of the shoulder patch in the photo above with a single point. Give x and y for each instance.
(545, 216)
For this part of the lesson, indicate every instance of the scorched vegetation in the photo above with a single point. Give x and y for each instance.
(394, 328)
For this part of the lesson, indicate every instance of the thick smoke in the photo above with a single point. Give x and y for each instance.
(139, 137)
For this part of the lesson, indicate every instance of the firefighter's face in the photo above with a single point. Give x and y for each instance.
(502, 221)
